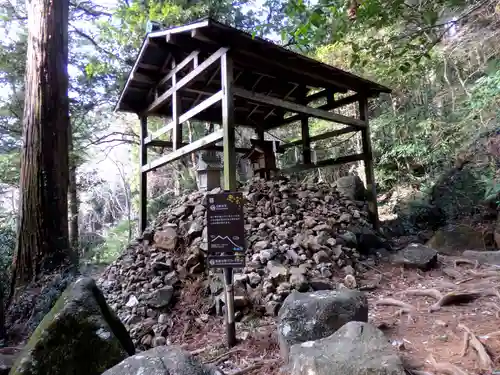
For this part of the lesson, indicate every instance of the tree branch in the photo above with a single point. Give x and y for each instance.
(93, 42)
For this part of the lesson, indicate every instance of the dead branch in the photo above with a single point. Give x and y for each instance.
(418, 372)
(454, 298)
(251, 368)
(446, 368)
(484, 359)
(221, 358)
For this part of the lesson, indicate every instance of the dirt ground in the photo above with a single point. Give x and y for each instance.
(420, 336)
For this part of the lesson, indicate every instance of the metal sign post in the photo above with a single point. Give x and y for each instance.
(226, 245)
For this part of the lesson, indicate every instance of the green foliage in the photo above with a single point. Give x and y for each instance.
(116, 240)
(7, 245)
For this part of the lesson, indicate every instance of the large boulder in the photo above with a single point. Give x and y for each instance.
(416, 256)
(314, 315)
(453, 239)
(357, 348)
(81, 335)
(162, 360)
(351, 187)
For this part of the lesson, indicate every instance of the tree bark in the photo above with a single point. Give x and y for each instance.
(42, 239)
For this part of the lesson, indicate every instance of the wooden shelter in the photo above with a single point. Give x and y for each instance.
(212, 72)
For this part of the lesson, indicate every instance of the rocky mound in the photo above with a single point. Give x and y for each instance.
(301, 237)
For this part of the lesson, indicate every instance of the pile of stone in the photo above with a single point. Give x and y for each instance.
(299, 236)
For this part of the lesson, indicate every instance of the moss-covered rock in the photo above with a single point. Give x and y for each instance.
(80, 335)
(457, 238)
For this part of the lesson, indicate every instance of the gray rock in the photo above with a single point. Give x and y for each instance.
(311, 316)
(321, 257)
(355, 349)
(416, 256)
(162, 360)
(483, 257)
(351, 187)
(277, 271)
(166, 239)
(161, 297)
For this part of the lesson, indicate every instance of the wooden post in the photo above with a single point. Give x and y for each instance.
(143, 184)
(368, 162)
(260, 137)
(176, 125)
(306, 138)
(229, 141)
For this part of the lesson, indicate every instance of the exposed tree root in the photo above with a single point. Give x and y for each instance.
(485, 274)
(251, 368)
(484, 359)
(405, 307)
(419, 372)
(446, 368)
(454, 298)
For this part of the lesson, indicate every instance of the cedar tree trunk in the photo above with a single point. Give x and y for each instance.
(42, 239)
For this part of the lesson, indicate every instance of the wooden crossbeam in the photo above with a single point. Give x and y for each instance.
(183, 151)
(302, 109)
(179, 67)
(169, 144)
(325, 163)
(186, 116)
(319, 137)
(195, 72)
(326, 107)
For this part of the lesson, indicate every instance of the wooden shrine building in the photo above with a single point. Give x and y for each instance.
(212, 72)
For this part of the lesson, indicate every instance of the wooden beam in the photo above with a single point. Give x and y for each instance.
(319, 137)
(228, 122)
(176, 108)
(316, 96)
(143, 183)
(186, 116)
(326, 107)
(325, 163)
(179, 67)
(169, 144)
(186, 150)
(368, 162)
(302, 109)
(195, 72)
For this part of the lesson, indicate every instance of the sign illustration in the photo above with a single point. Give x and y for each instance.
(225, 230)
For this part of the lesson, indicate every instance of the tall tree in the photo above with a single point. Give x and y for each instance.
(42, 239)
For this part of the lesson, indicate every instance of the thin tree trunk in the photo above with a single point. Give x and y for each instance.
(73, 204)
(42, 239)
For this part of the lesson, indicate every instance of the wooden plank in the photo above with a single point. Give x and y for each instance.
(186, 116)
(228, 122)
(195, 72)
(325, 163)
(169, 144)
(143, 184)
(368, 162)
(183, 151)
(326, 107)
(302, 109)
(319, 137)
(193, 55)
